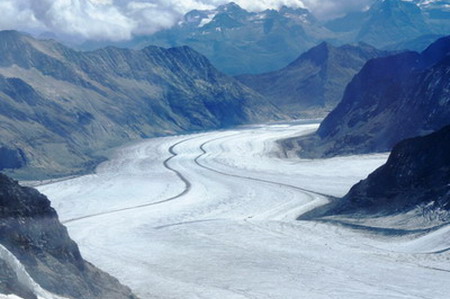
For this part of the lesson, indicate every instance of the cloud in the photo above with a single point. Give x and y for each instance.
(264, 4)
(326, 9)
(121, 19)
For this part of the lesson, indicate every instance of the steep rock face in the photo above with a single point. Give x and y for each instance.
(30, 229)
(237, 41)
(391, 99)
(416, 176)
(60, 108)
(315, 81)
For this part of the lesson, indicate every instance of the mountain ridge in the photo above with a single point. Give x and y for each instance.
(81, 103)
(390, 99)
(314, 83)
(238, 41)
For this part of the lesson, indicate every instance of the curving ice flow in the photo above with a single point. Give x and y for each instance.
(213, 215)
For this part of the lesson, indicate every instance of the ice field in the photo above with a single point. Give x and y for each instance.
(213, 215)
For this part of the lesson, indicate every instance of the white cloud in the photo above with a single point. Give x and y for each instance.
(264, 4)
(121, 19)
(15, 14)
(334, 8)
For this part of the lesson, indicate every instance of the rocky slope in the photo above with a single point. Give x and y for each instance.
(391, 99)
(30, 229)
(415, 179)
(314, 83)
(60, 108)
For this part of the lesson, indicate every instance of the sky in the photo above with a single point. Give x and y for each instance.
(117, 20)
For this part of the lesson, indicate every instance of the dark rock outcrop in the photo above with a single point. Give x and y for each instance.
(315, 82)
(30, 229)
(416, 176)
(391, 99)
(60, 108)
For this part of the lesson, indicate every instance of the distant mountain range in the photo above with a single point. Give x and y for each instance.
(386, 22)
(314, 83)
(31, 231)
(60, 108)
(391, 23)
(238, 42)
(390, 99)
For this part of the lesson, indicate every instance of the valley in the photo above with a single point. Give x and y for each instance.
(204, 149)
(214, 215)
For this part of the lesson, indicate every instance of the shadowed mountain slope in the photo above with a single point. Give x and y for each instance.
(314, 83)
(415, 178)
(391, 99)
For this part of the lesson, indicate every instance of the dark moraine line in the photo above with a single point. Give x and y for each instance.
(187, 188)
(386, 231)
(202, 148)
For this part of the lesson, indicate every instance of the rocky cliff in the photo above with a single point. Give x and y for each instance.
(31, 231)
(415, 178)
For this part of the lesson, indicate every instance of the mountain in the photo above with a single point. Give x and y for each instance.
(388, 23)
(237, 41)
(414, 180)
(434, 9)
(391, 21)
(60, 108)
(390, 99)
(418, 44)
(314, 83)
(348, 23)
(240, 42)
(438, 15)
(31, 231)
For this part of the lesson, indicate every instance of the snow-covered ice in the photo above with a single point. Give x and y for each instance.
(213, 215)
